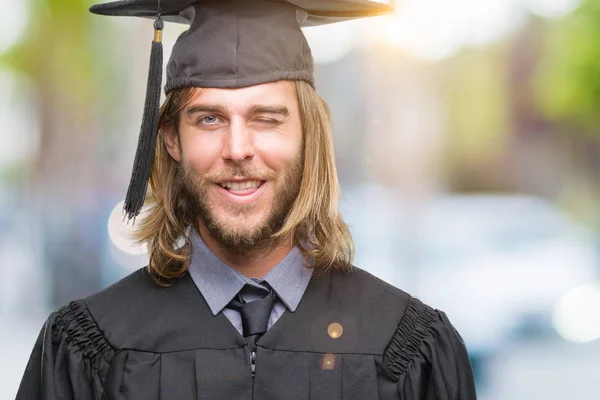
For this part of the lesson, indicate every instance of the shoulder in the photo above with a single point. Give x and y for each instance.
(136, 287)
(369, 310)
(73, 328)
(427, 356)
(409, 328)
(128, 301)
(419, 339)
(91, 322)
(137, 313)
(366, 283)
(365, 293)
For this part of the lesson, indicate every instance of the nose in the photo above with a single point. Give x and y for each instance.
(238, 143)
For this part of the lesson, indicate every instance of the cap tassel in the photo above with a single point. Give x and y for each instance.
(144, 155)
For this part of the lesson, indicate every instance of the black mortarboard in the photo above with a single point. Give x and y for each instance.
(230, 44)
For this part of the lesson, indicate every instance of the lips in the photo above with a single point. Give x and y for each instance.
(242, 192)
(239, 186)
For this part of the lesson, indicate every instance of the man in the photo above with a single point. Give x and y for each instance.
(250, 292)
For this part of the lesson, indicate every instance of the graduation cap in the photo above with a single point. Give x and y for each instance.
(230, 44)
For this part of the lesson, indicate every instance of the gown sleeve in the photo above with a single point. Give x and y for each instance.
(428, 358)
(70, 359)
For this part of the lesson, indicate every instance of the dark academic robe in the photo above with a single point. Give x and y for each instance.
(137, 340)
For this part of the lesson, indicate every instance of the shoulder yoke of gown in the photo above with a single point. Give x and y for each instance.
(367, 309)
(138, 314)
(376, 318)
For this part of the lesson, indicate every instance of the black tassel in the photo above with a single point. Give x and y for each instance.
(144, 155)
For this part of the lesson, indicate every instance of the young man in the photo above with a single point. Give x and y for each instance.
(250, 292)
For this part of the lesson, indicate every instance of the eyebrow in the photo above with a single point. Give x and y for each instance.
(262, 109)
(211, 108)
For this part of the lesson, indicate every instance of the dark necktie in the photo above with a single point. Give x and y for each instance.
(255, 316)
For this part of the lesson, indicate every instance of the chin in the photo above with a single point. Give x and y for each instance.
(241, 223)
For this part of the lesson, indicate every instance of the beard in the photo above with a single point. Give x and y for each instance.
(241, 237)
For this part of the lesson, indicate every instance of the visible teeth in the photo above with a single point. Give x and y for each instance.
(241, 185)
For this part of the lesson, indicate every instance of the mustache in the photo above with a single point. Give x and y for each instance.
(241, 173)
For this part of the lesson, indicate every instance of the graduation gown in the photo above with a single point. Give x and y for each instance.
(137, 340)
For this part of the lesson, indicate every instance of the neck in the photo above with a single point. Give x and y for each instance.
(254, 263)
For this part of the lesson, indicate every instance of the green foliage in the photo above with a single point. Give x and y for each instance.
(57, 50)
(567, 84)
(475, 90)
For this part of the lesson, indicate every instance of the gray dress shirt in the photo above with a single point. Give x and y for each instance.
(219, 283)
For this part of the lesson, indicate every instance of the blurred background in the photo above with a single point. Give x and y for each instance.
(468, 148)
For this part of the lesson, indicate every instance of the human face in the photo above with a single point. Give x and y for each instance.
(240, 159)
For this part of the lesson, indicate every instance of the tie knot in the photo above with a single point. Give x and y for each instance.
(255, 314)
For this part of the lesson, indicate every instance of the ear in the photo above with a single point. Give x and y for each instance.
(172, 141)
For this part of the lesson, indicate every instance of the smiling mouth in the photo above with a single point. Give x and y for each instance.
(241, 188)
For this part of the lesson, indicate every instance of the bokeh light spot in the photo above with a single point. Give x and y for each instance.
(576, 317)
(335, 330)
(328, 362)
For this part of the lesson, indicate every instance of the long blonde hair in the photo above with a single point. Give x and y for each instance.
(313, 223)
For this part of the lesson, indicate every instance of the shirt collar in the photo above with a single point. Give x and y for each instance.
(219, 283)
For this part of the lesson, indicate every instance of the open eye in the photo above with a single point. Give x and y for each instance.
(209, 120)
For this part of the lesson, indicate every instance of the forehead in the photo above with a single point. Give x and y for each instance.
(274, 93)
